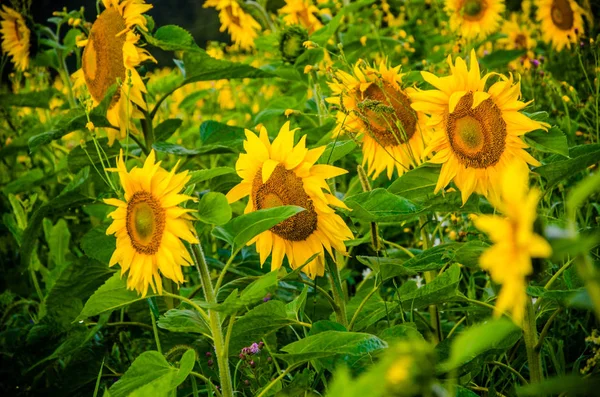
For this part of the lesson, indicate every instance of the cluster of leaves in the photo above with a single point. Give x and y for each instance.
(69, 326)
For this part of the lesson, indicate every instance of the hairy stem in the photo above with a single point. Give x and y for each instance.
(338, 293)
(215, 321)
(530, 337)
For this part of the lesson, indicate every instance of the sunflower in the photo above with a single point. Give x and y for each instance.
(373, 104)
(240, 25)
(15, 37)
(110, 56)
(149, 225)
(519, 36)
(561, 21)
(515, 243)
(280, 173)
(475, 18)
(477, 130)
(301, 12)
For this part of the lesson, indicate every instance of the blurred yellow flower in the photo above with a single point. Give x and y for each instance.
(562, 22)
(301, 12)
(15, 37)
(475, 18)
(279, 173)
(515, 242)
(242, 27)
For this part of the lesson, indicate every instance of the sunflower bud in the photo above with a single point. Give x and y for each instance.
(290, 43)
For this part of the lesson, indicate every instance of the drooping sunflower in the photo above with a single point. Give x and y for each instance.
(561, 21)
(149, 225)
(111, 56)
(242, 27)
(477, 131)
(374, 105)
(301, 12)
(515, 242)
(475, 18)
(279, 173)
(15, 37)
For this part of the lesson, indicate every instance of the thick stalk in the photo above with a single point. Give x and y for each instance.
(434, 313)
(148, 132)
(530, 337)
(338, 293)
(215, 322)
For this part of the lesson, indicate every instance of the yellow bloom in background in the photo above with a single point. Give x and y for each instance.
(110, 56)
(149, 225)
(15, 37)
(475, 18)
(515, 243)
(301, 12)
(373, 104)
(279, 173)
(477, 131)
(561, 21)
(518, 34)
(242, 28)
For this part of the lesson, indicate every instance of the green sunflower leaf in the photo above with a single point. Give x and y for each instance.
(244, 228)
(151, 374)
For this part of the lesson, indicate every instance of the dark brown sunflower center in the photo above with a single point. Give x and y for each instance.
(474, 10)
(387, 114)
(562, 14)
(521, 41)
(145, 222)
(477, 136)
(102, 60)
(285, 188)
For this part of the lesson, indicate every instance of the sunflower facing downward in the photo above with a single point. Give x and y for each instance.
(515, 243)
(110, 56)
(279, 173)
(240, 25)
(475, 18)
(477, 130)
(149, 225)
(373, 104)
(561, 21)
(15, 37)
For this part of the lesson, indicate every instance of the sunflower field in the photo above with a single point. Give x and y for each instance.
(336, 198)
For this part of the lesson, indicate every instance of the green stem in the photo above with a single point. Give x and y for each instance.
(511, 369)
(205, 380)
(434, 313)
(274, 381)
(224, 271)
(155, 330)
(338, 297)
(360, 307)
(587, 272)
(546, 328)
(148, 132)
(215, 321)
(189, 302)
(531, 340)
